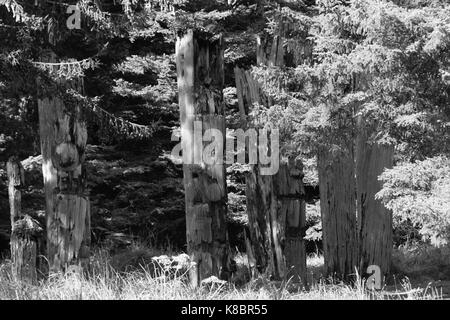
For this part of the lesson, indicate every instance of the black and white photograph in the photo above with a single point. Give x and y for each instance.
(224, 157)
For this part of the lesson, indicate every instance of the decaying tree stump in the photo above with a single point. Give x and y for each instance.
(63, 135)
(24, 230)
(276, 213)
(275, 204)
(338, 209)
(200, 83)
(374, 219)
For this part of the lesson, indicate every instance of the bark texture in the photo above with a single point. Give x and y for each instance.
(63, 135)
(338, 209)
(200, 84)
(275, 204)
(276, 213)
(374, 220)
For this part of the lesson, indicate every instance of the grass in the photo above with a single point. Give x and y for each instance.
(422, 262)
(146, 282)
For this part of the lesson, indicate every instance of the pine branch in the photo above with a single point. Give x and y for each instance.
(121, 126)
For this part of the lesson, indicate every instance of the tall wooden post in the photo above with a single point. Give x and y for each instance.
(292, 211)
(276, 213)
(200, 83)
(63, 135)
(16, 181)
(338, 209)
(24, 230)
(374, 219)
(275, 204)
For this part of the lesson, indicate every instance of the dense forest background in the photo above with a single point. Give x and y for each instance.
(130, 97)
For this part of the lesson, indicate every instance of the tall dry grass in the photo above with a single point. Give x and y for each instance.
(103, 282)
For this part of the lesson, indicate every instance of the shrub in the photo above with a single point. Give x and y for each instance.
(420, 192)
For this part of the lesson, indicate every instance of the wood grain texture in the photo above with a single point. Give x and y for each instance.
(275, 204)
(374, 219)
(276, 213)
(63, 134)
(200, 82)
(338, 210)
(24, 242)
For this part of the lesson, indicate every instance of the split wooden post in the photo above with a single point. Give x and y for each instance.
(275, 204)
(24, 230)
(374, 219)
(338, 210)
(200, 83)
(63, 134)
(276, 213)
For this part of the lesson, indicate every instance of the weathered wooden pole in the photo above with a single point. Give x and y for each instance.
(292, 211)
(63, 135)
(374, 219)
(338, 210)
(200, 72)
(276, 213)
(275, 203)
(16, 181)
(24, 230)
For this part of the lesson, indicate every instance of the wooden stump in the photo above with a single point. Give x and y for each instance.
(24, 230)
(275, 204)
(338, 209)
(276, 212)
(374, 219)
(23, 256)
(200, 85)
(63, 135)
(25, 246)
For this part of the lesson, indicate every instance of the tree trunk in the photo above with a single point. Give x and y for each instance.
(200, 85)
(276, 213)
(374, 220)
(63, 135)
(24, 230)
(338, 209)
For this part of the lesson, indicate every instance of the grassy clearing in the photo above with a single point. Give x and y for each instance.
(146, 282)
